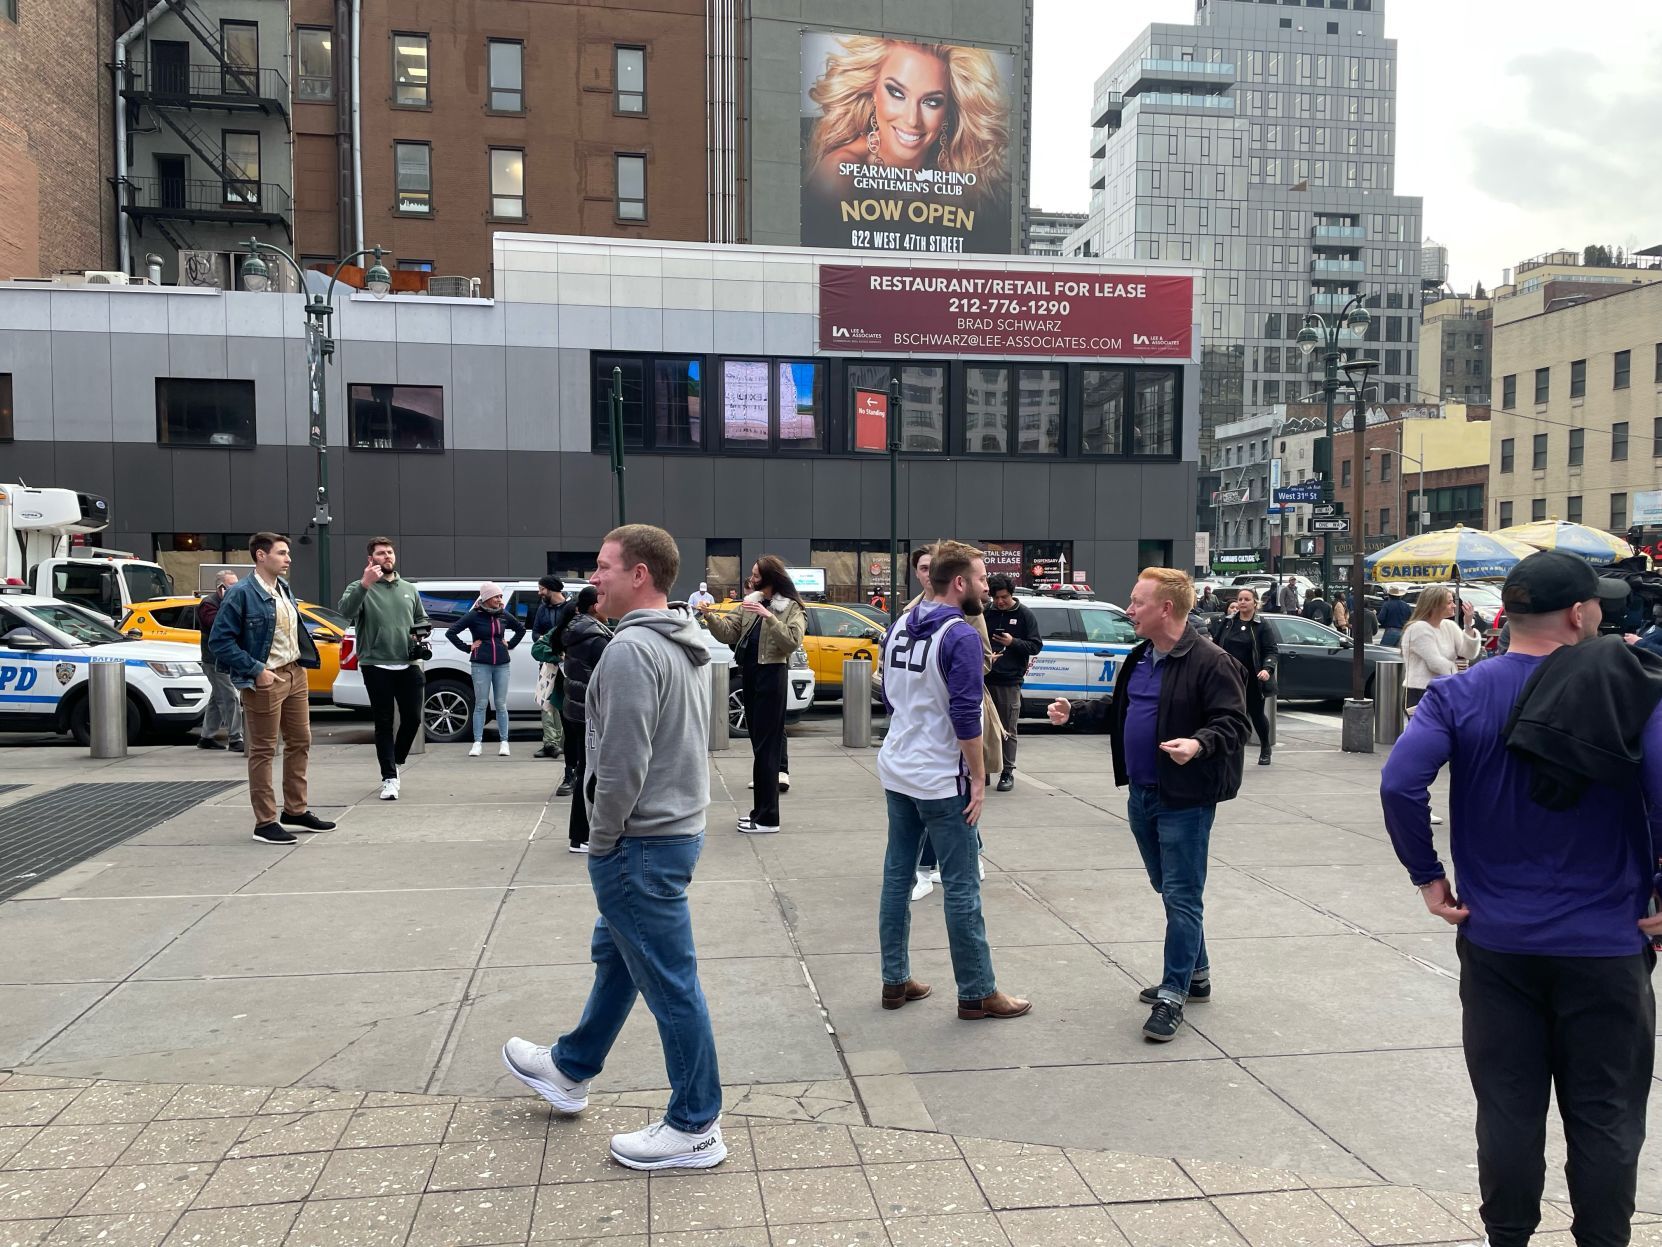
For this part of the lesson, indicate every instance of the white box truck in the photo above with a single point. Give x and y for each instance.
(36, 527)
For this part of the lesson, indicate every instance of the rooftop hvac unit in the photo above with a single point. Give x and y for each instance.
(94, 277)
(453, 287)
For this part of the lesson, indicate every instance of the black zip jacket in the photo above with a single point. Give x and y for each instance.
(1201, 695)
(582, 639)
(1011, 664)
(1252, 645)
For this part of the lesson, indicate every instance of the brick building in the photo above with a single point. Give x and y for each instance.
(56, 207)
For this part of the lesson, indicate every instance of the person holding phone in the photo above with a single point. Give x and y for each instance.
(386, 612)
(1014, 633)
(1433, 645)
(1246, 638)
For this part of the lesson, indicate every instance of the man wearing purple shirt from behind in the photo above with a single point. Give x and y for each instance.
(1554, 956)
(1177, 726)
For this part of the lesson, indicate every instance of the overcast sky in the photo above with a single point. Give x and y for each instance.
(1527, 125)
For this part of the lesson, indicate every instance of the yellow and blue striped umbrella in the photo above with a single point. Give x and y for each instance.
(1593, 544)
(1457, 553)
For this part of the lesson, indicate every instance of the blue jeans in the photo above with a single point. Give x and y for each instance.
(958, 845)
(490, 684)
(1174, 844)
(643, 946)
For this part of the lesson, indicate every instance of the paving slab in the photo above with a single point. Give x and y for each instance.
(78, 941)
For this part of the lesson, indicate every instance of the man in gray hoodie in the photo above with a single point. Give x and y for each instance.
(646, 784)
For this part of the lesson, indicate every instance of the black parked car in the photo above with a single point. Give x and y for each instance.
(1316, 660)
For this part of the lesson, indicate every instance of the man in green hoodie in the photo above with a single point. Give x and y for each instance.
(386, 610)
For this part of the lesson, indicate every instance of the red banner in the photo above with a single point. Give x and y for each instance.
(995, 312)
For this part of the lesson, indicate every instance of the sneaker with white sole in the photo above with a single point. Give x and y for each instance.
(577, 848)
(389, 789)
(533, 1064)
(502, 750)
(751, 827)
(922, 887)
(476, 750)
(935, 875)
(980, 869)
(784, 781)
(662, 1146)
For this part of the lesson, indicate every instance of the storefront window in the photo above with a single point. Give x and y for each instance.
(986, 411)
(1154, 419)
(1039, 411)
(801, 405)
(1103, 420)
(744, 403)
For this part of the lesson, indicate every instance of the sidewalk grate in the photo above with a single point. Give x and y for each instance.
(40, 836)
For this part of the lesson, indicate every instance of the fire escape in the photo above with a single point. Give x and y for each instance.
(167, 85)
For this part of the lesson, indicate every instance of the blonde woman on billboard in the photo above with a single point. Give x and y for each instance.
(909, 106)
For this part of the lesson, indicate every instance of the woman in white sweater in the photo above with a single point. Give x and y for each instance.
(1433, 644)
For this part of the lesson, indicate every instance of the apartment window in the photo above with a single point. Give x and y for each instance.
(631, 187)
(8, 10)
(415, 266)
(1572, 508)
(1656, 437)
(1543, 384)
(1537, 510)
(1384, 519)
(508, 183)
(1624, 370)
(242, 166)
(1538, 461)
(1384, 465)
(395, 417)
(1102, 429)
(1509, 391)
(410, 83)
(1578, 444)
(241, 41)
(1578, 380)
(628, 79)
(413, 163)
(1507, 452)
(200, 412)
(1618, 513)
(314, 58)
(6, 428)
(1344, 474)
(1618, 441)
(507, 70)
(1659, 363)
(1503, 515)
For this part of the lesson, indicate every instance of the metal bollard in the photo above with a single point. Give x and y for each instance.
(720, 673)
(107, 695)
(1390, 712)
(856, 703)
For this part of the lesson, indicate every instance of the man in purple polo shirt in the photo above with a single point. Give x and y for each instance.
(1555, 959)
(1177, 727)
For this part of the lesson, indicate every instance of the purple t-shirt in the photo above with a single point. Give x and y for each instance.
(1565, 883)
(1142, 719)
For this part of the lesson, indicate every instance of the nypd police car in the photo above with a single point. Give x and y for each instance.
(1085, 641)
(47, 648)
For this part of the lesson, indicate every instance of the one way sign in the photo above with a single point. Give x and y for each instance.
(1330, 524)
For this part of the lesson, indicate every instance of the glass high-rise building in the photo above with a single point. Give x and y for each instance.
(1259, 143)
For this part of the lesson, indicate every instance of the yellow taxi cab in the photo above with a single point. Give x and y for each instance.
(174, 619)
(834, 632)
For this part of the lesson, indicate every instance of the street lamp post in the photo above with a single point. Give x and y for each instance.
(320, 348)
(1357, 728)
(1318, 331)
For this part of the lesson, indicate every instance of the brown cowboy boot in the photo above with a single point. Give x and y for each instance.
(998, 1005)
(895, 995)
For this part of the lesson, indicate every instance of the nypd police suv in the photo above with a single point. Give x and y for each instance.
(47, 648)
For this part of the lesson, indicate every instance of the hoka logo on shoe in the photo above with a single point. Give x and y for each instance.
(705, 1144)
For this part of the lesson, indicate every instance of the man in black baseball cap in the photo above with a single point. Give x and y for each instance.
(1554, 938)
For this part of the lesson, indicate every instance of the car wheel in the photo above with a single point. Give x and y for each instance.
(80, 722)
(736, 725)
(447, 711)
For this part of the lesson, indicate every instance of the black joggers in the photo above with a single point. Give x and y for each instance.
(404, 689)
(1584, 1028)
(577, 758)
(1255, 698)
(764, 716)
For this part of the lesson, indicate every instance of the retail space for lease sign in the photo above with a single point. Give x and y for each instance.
(975, 311)
(907, 146)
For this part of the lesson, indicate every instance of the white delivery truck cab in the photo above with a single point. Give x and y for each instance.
(36, 526)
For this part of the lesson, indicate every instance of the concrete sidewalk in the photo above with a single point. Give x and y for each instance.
(395, 954)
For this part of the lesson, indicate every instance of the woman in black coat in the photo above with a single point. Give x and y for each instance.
(582, 637)
(1246, 638)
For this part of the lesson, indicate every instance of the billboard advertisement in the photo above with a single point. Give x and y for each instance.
(1020, 312)
(906, 146)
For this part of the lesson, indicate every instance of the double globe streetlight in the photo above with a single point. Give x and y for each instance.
(320, 347)
(1318, 332)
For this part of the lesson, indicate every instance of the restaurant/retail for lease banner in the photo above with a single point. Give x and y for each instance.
(992, 311)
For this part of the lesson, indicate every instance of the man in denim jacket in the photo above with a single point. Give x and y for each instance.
(260, 639)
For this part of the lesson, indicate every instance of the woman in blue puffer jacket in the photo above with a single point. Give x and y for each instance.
(488, 626)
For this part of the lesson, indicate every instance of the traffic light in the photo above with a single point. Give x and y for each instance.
(1323, 457)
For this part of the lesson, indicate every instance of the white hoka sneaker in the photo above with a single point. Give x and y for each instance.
(662, 1146)
(476, 750)
(502, 750)
(533, 1064)
(389, 789)
(922, 886)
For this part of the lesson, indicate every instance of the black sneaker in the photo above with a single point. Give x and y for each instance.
(547, 751)
(308, 822)
(236, 746)
(564, 790)
(1199, 994)
(1006, 781)
(273, 833)
(208, 742)
(1164, 1022)
(1264, 758)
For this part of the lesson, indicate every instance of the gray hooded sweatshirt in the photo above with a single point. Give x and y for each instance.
(648, 730)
